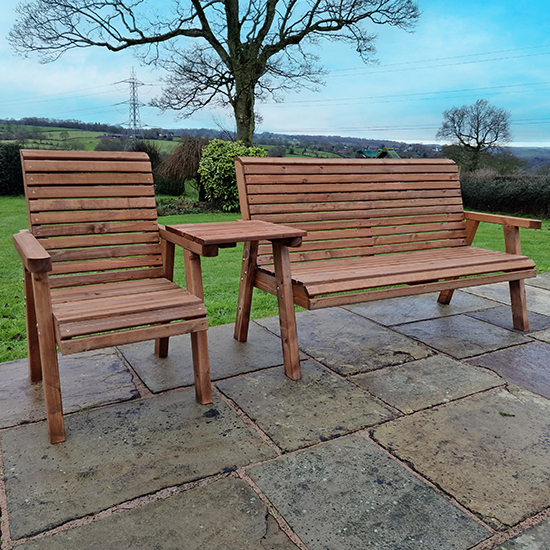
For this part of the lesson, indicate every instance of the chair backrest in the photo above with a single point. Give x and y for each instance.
(355, 207)
(95, 213)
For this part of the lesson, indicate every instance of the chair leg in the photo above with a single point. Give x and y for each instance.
(246, 288)
(161, 347)
(33, 345)
(48, 358)
(201, 367)
(519, 305)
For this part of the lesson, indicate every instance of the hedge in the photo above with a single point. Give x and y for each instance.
(519, 194)
(11, 174)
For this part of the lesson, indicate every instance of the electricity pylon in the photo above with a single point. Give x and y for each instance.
(134, 121)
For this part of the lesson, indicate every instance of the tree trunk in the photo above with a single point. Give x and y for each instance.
(244, 115)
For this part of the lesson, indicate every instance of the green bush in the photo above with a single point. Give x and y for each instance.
(217, 171)
(520, 194)
(11, 174)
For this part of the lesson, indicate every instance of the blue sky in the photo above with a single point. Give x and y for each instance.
(461, 51)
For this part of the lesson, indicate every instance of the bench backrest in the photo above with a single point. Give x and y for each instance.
(95, 213)
(355, 207)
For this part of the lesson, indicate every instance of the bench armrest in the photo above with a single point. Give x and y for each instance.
(33, 255)
(503, 220)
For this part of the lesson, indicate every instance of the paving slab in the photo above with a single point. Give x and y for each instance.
(542, 280)
(296, 414)
(544, 336)
(88, 379)
(538, 299)
(224, 515)
(396, 311)
(118, 453)
(490, 451)
(502, 317)
(348, 343)
(461, 336)
(526, 366)
(348, 494)
(536, 538)
(425, 383)
(227, 357)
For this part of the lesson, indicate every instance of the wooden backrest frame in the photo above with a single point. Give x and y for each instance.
(95, 214)
(355, 207)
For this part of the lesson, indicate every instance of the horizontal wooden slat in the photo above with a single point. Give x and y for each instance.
(106, 265)
(89, 191)
(86, 166)
(299, 197)
(82, 241)
(34, 180)
(105, 277)
(94, 228)
(56, 154)
(91, 204)
(132, 336)
(124, 288)
(93, 216)
(358, 214)
(367, 206)
(84, 310)
(348, 183)
(97, 253)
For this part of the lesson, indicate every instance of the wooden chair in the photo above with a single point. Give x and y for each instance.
(376, 229)
(96, 271)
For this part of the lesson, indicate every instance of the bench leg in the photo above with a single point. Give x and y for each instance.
(246, 288)
(519, 305)
(445, 296)
(287, 316)
(48, 359)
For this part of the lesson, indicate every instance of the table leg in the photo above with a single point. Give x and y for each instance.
(287, 317)
(246, 288)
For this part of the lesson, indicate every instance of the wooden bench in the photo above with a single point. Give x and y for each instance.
(376, 229)
(96, 270)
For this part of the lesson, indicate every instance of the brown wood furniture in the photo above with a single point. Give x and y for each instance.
(96, 271)
(375, 229)
(204, 239)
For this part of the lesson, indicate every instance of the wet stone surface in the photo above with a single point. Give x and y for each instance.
(88, 379)
(348, 343)
(396, 311)
(536, 538)
(502, 317)
(296, 414)
(348, 494)
(118, 453)
(461, 336)
(224, 515)
(527, 366)
(227, 357)
(425, 383)
(481, 450)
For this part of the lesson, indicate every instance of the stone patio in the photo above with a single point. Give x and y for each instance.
(415, 426)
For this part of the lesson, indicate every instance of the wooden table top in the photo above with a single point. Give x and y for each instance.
(220, 233)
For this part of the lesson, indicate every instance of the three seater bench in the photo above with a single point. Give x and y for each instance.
(377, 228)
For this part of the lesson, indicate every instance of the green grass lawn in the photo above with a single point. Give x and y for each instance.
(220, 274)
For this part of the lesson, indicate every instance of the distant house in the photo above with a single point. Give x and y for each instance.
(384, 152)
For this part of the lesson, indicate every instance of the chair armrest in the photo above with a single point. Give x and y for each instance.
(503, 220)
(33, 255)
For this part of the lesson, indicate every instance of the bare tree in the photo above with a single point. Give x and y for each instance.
(476, 129)
(242, 51)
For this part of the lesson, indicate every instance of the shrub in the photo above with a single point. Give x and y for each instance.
(217, 171)
(11, 174)
(520, 194)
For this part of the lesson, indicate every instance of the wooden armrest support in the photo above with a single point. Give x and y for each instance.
(503, 220)
(33, 255)
(207, 251)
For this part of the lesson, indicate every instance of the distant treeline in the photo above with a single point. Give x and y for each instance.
(56, 123)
